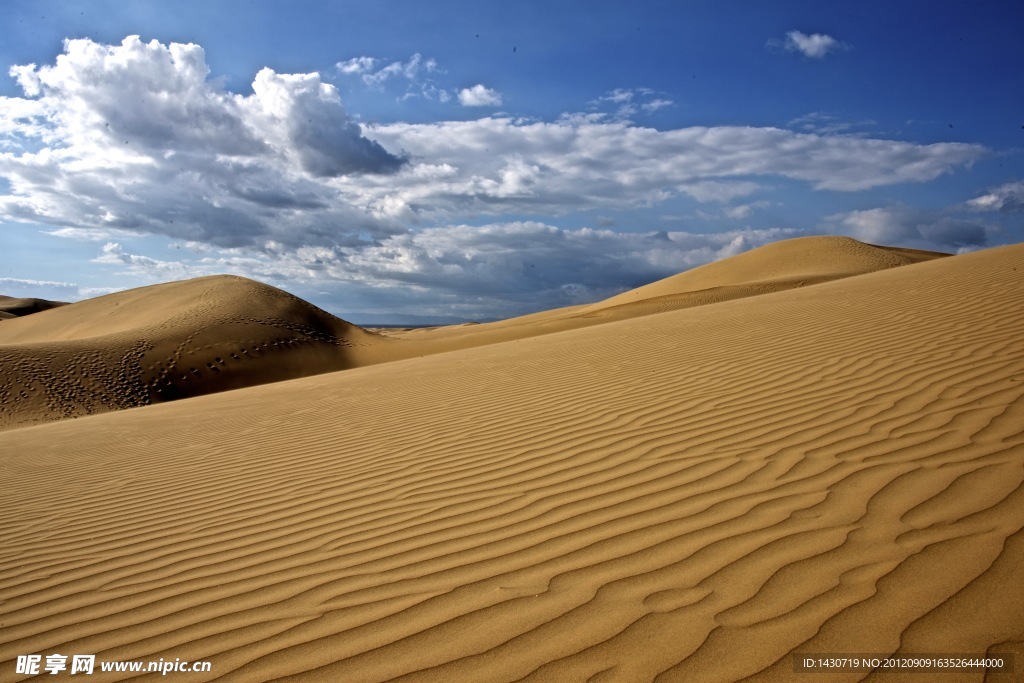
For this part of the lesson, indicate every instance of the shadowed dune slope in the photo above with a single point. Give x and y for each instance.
(13, 307)
(687, 496)
(163, 342)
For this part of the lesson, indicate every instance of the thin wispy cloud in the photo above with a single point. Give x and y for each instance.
(415, 76)
(366, 68)
(631, 101)
(828, 124)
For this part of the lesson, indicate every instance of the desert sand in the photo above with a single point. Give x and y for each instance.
(817, 447)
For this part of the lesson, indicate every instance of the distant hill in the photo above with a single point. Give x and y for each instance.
(14, 307)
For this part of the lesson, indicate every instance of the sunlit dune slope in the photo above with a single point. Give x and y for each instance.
(686, 496)
(164, 342)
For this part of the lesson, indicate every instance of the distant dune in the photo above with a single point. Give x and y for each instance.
(14, 307)
(699, 494)
(788, 264)
(775, 267)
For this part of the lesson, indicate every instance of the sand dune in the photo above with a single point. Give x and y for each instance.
(788, 264)
(184, 339)
(164, 342)
(776, 267)
(694, 495)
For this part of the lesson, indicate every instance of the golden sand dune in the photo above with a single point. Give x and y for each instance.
(788, 264)
(164, 342)
(689, 496)
(183, 339)
(772, 268)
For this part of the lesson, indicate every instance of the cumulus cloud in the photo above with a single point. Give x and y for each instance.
(137, 139)
(137, 136)
(479, 96)
(812, 46)
(301, 116)
(287, 163)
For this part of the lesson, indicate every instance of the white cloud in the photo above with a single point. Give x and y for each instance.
(357, 65)
(282, 182)
(580, 164)
(365, 68)
(302, 117)
(813, 46)
(742, 211)
(136, 137)
(144, 266)
(914, 228)
(655, 105)
(511, 268)
(479, 96)
(91, 234)
(1007, 198)
(48, 289)
(7, 282)
(828, 124)
(498, 269)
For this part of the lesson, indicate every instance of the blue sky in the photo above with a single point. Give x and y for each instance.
(484, 159)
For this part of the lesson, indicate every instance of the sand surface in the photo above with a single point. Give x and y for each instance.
(687, 495)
